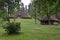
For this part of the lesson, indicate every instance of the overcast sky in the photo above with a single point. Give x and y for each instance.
(26, 2)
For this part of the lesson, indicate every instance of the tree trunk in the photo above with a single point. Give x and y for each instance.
(36, 15)
(8, 19)
(35, 19)
(48, 15)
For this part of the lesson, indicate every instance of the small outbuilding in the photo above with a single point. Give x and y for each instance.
(53, 20)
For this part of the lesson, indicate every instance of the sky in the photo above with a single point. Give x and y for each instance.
(26, 2)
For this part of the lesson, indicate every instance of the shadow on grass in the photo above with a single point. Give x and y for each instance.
(11, 35)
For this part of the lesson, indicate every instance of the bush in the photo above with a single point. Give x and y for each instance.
(12, 28)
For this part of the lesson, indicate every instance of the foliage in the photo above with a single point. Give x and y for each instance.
(9, 6)
(39, 8)
(44, 7)
(12, 28)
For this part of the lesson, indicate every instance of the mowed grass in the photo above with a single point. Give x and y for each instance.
(32, 31)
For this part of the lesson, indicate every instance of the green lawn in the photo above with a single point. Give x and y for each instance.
(31, 31)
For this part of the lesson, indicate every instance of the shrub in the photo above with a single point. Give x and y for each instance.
(12, 28)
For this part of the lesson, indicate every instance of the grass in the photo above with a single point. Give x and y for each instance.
(32, 31)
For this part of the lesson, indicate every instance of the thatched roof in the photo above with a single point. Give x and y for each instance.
(58, 15)
(12, 16)
(53, 17)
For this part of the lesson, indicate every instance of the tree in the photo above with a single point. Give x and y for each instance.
(6, 8)
(9, 6)
(33, 11)
(45, 7)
